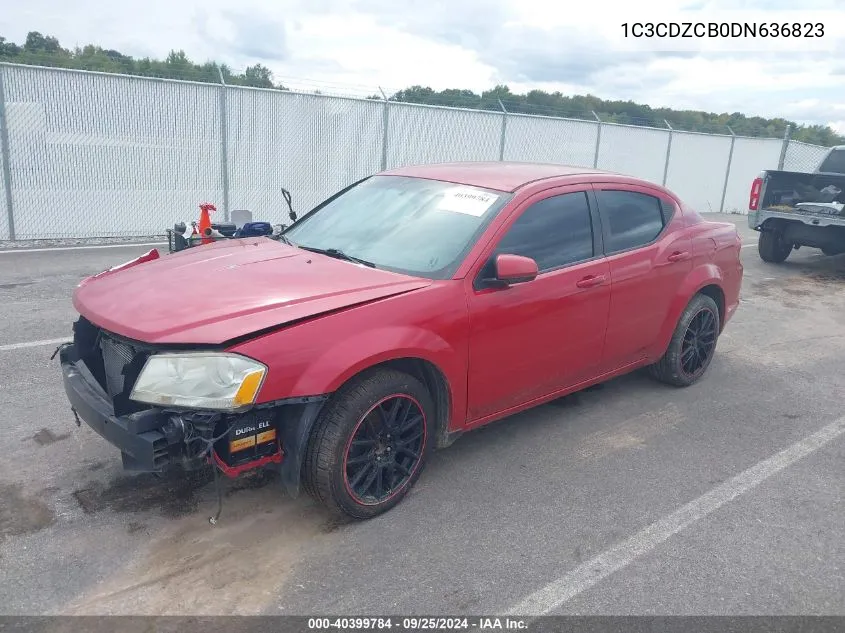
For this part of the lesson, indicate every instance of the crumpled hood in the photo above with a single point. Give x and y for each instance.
(217, 292)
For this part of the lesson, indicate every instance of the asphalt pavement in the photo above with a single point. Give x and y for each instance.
(633, 498)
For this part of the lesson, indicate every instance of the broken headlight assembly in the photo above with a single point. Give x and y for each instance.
(199, 380)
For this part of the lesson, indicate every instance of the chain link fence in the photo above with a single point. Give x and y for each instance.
(310, 145)
(96, 155)
(803, 156)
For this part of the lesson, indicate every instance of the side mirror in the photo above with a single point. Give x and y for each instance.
(515, 269)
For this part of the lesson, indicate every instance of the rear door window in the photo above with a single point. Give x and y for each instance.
(631, 219)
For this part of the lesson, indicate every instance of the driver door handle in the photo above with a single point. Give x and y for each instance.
(678, 256)
(591, 281)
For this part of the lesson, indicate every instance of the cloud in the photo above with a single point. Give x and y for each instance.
(492, 30)
(245, 34)
(566, 55)
(258, 37)
(473, 24)
(825, 105)
(765, 6)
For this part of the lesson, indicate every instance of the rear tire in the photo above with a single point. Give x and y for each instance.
(370, 444)
(772, 246)
(692, 346)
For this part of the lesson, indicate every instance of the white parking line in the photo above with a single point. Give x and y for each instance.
(747, 245)
(78, 248)
(49, 341)
(597, 569)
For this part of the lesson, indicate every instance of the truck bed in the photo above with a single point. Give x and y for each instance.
(805, 194)
(792, 209)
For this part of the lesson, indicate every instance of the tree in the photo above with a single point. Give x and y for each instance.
(8, 49)
(258, 76)
(35, 42)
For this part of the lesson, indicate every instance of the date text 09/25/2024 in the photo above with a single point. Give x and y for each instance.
(723, 29)
(416, 624)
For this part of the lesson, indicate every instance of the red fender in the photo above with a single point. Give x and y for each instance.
(698, 278)
(317, 357)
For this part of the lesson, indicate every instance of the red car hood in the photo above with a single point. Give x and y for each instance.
(216, 292)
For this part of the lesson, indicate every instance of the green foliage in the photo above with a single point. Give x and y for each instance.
(628, 112)
(45, 50)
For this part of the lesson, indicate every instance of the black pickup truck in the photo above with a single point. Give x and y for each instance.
(793, 209)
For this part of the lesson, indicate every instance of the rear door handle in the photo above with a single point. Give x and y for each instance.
(678, 256)
(591, 281)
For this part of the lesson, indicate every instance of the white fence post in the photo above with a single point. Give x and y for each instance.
(786, 136)
(668, 153)
(385, 129)
(728, 169)
(224, 146)
(598, 140)
(504, 130)
(5, 157)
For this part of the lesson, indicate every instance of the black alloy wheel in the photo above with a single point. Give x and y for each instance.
(699, 342)
(692, 346)
(385, 449)
(370, 443)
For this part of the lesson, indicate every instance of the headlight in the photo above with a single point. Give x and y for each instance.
(199, 380)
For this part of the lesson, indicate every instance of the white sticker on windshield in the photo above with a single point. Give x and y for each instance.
(466, 200)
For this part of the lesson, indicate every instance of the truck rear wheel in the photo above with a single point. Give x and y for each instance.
(692, 346)
(370, 444)
(772, 246)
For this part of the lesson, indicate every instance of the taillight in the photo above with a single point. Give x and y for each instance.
(754, 200)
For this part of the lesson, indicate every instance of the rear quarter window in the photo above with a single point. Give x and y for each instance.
(834, 163)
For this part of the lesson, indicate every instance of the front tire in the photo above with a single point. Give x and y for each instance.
(692, 346)
(772, 246)
(370, 444)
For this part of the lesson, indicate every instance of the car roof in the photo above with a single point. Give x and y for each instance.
(498, 175)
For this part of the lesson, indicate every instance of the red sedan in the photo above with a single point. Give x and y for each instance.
(410, 307)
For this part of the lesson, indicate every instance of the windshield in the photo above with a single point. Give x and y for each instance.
(834, 163)
(410, 225)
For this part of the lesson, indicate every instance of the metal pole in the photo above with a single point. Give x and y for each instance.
(786, 136)
(668, 152)
(385, 129)
(504, 130)
(598, 140)
(728, 170)
(5, 157)
(224, 154)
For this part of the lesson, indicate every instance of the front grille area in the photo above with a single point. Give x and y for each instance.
(116, 356)
(113, 361)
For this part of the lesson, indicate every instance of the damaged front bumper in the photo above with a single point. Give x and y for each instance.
(155, 439)
(139, 435)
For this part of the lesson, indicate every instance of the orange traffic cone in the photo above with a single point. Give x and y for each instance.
(205, 222)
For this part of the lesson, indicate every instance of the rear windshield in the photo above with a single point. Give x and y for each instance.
(409, 225)
(834, 163)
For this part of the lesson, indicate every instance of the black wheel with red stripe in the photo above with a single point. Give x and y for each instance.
(370, 444)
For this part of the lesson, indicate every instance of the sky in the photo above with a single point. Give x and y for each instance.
(357, 46)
